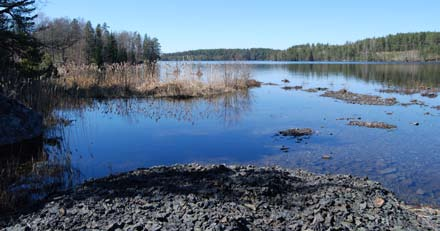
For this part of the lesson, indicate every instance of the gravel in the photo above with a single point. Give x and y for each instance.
(218, 197)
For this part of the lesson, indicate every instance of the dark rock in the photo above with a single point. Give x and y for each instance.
(316, 89)
(429, 94)
(270, 84)
(292, 88)
(297, 132)
(414, 102)
(18, 122)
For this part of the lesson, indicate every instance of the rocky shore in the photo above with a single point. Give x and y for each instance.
(218, 197)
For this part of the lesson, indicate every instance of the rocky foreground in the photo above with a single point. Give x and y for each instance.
(217, 197)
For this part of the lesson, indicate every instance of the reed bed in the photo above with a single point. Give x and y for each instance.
(174, 80)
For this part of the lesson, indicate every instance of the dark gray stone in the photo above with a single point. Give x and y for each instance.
(18, 122)
(245, 198)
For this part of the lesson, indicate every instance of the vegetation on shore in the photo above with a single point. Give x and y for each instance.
(73, 58)
(182, 80)
(32, 49)
(421, 46)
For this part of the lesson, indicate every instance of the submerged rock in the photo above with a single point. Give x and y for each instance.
(270, 84)
(389, 170)
(218, 197)
(18, 122)
(429, 94)
(316, 89)
(326, 157)
(414, 102)
(381, 125)
(292, 88)
(296, 132)
(355, 98)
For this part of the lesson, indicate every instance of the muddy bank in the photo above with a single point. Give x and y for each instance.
(194, 197)
(355, 98)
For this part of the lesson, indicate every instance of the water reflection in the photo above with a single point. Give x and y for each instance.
(31, 170)
(227, 108)
(109, 136)
(409, 75)
(118, 135)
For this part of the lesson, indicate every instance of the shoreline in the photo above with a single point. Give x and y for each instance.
(219, 197)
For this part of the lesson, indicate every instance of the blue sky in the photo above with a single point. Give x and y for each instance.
(195, 24)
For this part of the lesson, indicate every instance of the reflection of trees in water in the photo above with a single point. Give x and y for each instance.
(393, 75)
(31, 170)
(228, 108)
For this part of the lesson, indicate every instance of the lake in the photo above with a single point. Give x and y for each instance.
(112, 136)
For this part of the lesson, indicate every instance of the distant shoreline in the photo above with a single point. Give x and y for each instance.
(304, 62)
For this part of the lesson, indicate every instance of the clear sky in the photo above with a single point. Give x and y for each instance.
(195, 24)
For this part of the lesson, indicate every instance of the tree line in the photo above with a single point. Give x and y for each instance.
(225, 54)
(75, 41)
(421, 46)
(31, 46)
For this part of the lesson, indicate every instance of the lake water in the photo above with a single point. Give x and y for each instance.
(112, 136)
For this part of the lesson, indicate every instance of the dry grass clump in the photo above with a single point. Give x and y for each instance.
(177, 80)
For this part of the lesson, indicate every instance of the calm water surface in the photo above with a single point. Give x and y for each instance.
(112, 136)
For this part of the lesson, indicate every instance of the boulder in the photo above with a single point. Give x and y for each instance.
(18, 122)
(296, 132)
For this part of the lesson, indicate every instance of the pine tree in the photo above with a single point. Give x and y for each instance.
(112, 47)
(138, 48)
(97, 56)
(151, 49)
(89, 37)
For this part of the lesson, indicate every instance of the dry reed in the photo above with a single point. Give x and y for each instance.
(176, 80)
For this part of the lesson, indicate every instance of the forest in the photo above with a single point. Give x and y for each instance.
(32, 46)
(421, 46)
(75, 41)
(225, 54)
